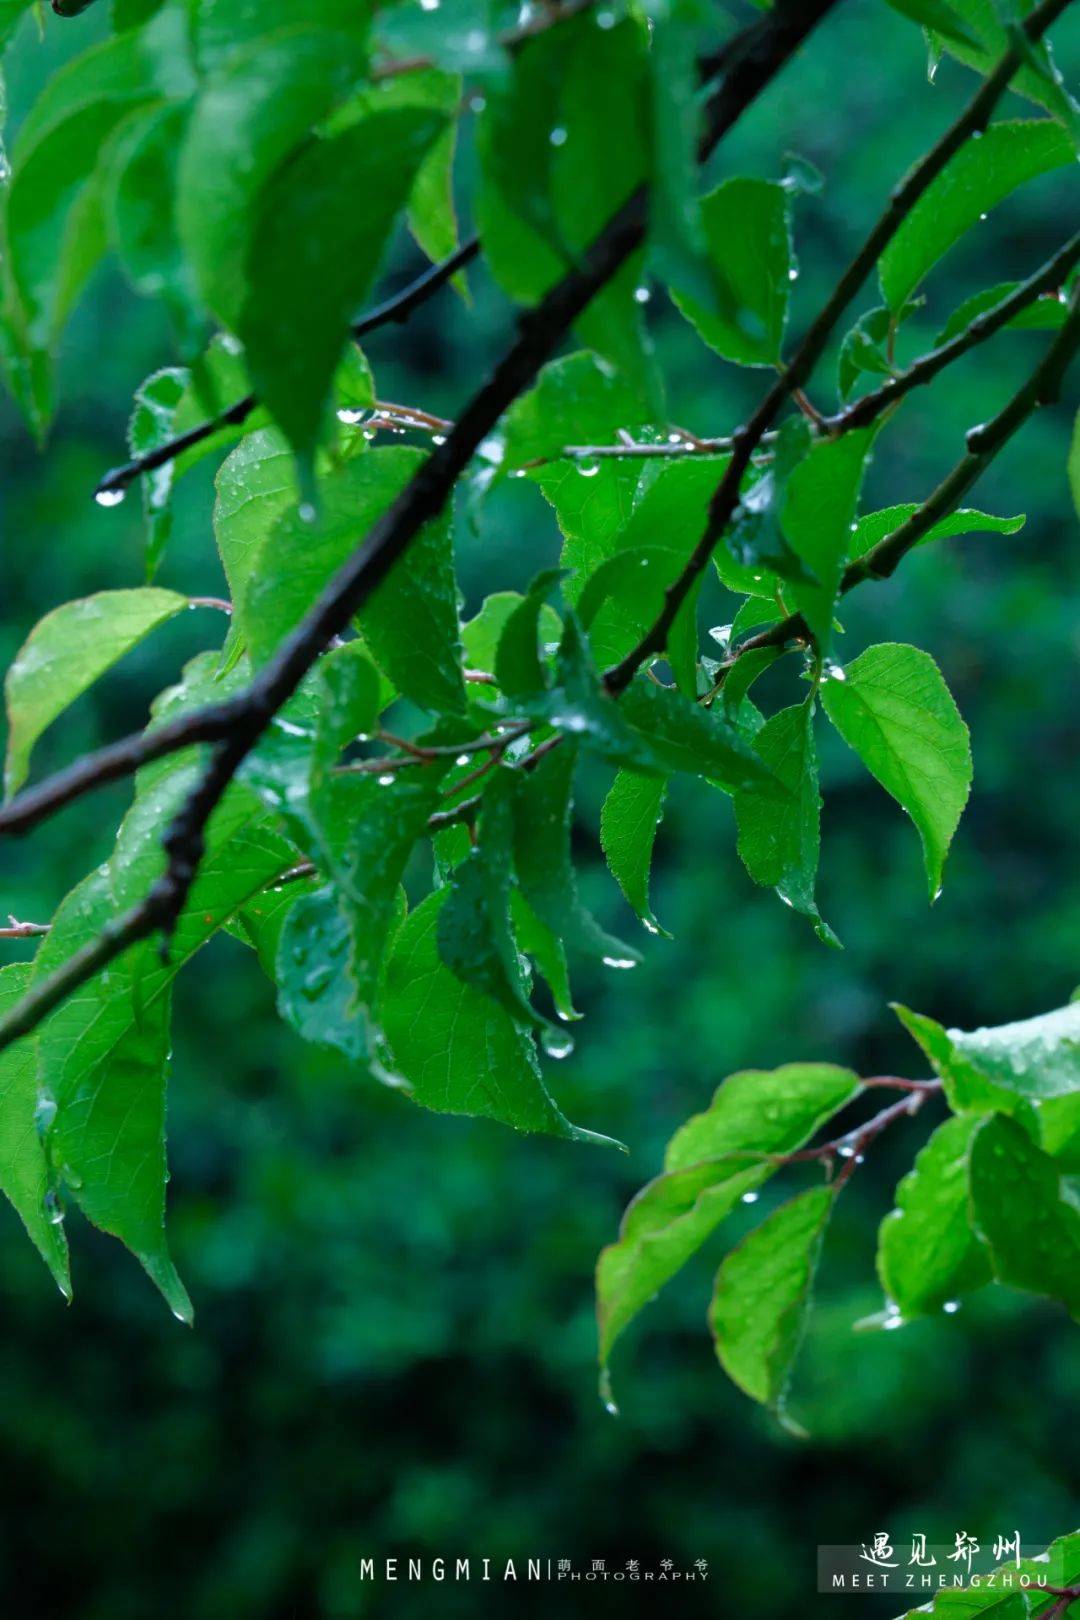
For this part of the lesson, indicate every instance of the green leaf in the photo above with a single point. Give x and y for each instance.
(140, 198)
(323, 223)
(684, 736)
(580, 706)
(409, 621)
(316, 995)
(863, 350)
(893, 708)
(24, 1171)
(874, 526)
(927, 1253)
(629, 822)
(65, 653)
(256, 484)
(985, 20)
(480, 637)
(762, 1296)
(1024, 1213)
(518, 665)
(755, 538)
(981, 175)
(816, 517)
(935, 14)
(712, 1162)
(103, 1053)
(623, 598)
(150, 427)
(747, 232)
(1036, 1059)
(575, 400)
(779, 819)
(56, 226)
(254, 110)
(475, 936)
(1046, 314)
(543, 811)
(459, 1051)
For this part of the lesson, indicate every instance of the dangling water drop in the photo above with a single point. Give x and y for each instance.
(109, 497)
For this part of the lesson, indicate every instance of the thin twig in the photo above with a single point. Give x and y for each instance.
(972, 120)
(23, 930)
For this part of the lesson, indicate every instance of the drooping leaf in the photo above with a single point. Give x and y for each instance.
(893, 708)
(628, 826)
(103, 1053)
(981, 175)
(140, 191)
(461, 1052)
(475, 933)
(24, 1170)
(256, 106)
(762, 1295)
(818, 511)
(928, 1254)
(1024, 1213)
(65, 653)
(779, 819)
(747, 231)
(711, 1163)
(151, 426)
(323, 222)
(542, 811)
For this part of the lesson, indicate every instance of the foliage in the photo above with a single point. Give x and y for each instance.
(377, 797)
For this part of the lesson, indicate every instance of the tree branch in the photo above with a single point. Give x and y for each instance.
(752, 60)
(984, 443)
(972, 120)
(1047, 278)
(394, 310)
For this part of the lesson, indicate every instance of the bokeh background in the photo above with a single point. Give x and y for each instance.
(394, 1350)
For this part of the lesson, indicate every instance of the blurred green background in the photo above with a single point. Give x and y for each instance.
(394, 1349)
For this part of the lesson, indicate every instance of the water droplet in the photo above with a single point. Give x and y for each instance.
(750, 1197)
(558, 136)
(109, 497)
(793, 274)
(308, 513)
(619, 962)
(438, 438)
(386, 779)
(350, 417)
(833, 672)
(429, 5)
(556, 1043)
(588, 469)
(518, 472)
(476, 39)
(605, 19)
(462, 759)
(54, 1209)
(846, 1151)
(893, 1319)
(642, 295)
(982, 216)
(44, 1114)
(951, 1306)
